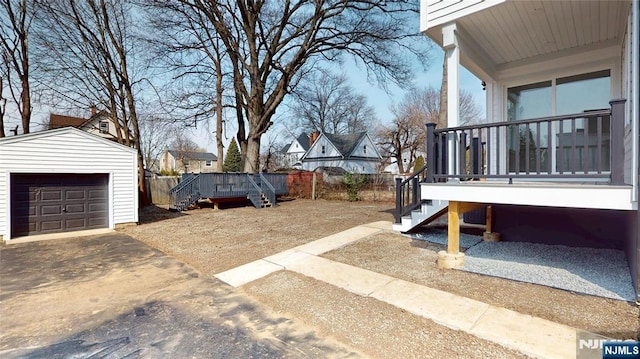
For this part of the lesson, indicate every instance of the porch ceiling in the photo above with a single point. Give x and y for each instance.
(514, 31)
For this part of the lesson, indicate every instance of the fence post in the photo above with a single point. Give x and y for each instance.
(398, 199)
(617, 141)
(431, 153)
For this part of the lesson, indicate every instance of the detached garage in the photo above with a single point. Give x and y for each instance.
(65, 180)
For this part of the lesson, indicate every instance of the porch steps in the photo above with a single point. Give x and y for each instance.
(429, 211)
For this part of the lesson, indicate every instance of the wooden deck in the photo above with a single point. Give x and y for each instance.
(261, 189)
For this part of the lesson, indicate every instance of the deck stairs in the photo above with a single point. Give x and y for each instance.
(412, 209)
(428, 211)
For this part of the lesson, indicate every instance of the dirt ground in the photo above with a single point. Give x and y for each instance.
(216, 240)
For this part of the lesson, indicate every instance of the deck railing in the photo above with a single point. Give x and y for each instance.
(279, 182)
(408, 194)
(268, 190)
(229, 185)
(185, 193)
(585, 146)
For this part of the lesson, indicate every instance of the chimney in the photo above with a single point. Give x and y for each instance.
(313, 137)
(93, 110)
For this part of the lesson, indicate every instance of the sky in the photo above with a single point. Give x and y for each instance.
(380, 100)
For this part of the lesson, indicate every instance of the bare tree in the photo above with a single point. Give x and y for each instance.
(88, 50)
(272, 45)
(406, 135)
(442, 108)
(183, 145)
(3, 107)
(15, 23)
(193, 51)
(272, 157)
(327, 103)
(402, 138)
(469, 110)
(155, 134)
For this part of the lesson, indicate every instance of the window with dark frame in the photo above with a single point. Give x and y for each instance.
(104, 126)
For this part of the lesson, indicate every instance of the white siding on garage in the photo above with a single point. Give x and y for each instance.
(70, 150)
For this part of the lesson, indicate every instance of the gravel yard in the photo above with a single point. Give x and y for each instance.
(213, 241)
(412, 260)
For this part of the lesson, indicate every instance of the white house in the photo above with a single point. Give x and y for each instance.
(65, 180)
(354, 152)
(188, 162)
(294, 151)
(558, 155)
(100, 123)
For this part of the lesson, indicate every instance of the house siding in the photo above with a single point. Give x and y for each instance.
(71, 151)
(439, 12)
(316, 150)
(632, 248)
(357, 161)
(628, 155)
(356, 166)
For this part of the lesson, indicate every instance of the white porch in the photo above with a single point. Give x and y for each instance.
(561, 127)
(549, 194)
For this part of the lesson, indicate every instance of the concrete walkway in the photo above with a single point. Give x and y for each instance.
(530, 335)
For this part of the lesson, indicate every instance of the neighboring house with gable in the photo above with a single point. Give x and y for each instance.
(559, 159)
(355, 152)
(294, 151)
(99, 123)
(188, 162)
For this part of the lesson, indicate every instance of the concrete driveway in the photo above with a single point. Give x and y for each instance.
(111, 296)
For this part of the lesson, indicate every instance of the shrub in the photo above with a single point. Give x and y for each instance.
(354, 182)
(419, 164)
(165, 172)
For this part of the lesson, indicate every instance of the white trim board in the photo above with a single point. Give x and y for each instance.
(546, 195)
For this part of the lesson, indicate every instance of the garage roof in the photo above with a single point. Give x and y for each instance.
(58, 131)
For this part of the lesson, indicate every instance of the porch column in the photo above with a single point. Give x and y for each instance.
(450, 46)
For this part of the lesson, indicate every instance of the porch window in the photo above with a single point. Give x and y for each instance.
(560, 96)
(526, 102)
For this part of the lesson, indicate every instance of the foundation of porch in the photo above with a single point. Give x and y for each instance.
(491, 237)
(450, 260)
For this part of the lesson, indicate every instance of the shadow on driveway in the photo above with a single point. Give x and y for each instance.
(111, 296)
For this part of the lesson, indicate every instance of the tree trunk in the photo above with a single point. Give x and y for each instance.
(400, 163)
(3, 106)
(142, 188)
(26, 106)
(252, 155)
(219, 93)
(442, 115)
